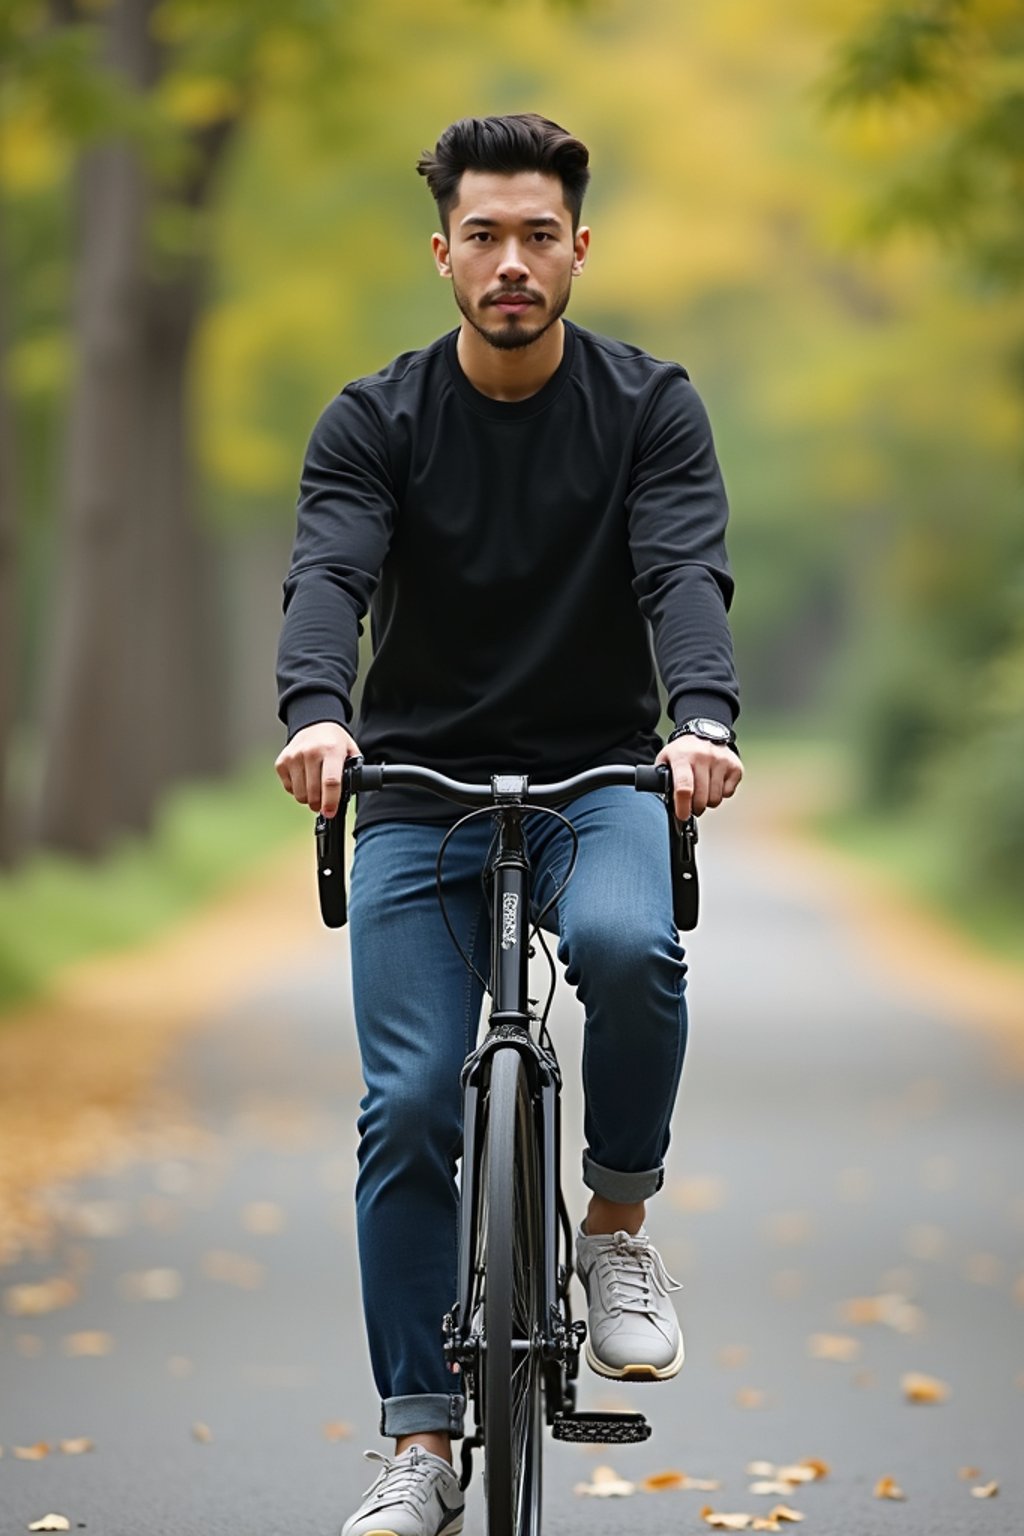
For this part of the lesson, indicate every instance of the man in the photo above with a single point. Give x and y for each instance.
(522, 504)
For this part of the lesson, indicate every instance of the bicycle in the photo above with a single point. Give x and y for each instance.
(510, 1331)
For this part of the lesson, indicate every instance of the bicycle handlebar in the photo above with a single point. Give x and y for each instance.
(504, 789)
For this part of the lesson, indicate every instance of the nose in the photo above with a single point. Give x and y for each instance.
(512, 268)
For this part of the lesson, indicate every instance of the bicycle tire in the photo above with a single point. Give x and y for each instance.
(510, 1256)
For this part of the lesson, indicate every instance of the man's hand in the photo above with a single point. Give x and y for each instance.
(703, 774)
(310, 765)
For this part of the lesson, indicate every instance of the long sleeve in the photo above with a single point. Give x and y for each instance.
(678, 512)
(345, 518)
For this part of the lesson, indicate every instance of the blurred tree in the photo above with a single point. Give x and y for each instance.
(946, 78)
(9, 627)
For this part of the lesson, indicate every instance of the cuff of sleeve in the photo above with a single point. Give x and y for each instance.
(310, 708)
(713, 706)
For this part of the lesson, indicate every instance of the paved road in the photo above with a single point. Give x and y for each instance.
(833, 1141)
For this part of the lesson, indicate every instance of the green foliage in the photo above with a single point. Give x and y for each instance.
(209, 837)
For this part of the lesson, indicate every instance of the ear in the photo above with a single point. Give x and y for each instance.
(581, 245)
(442, 255)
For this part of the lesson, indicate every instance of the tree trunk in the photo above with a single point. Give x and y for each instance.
(9, 648)
(91, 755)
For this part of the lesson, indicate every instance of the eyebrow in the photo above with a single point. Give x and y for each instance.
(540, 221)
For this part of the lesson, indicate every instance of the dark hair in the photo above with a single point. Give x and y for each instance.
(522, 142)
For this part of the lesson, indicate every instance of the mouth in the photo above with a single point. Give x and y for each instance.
(512, 303)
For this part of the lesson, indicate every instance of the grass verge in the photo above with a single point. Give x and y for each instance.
(56, 910)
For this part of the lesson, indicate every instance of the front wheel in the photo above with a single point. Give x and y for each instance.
(511, 1260)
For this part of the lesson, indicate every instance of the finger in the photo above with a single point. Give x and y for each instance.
(716, 783)
(299, 780)
(733, 777)
(284, 772)
(701, 777)
(682, 783)
(330, 783)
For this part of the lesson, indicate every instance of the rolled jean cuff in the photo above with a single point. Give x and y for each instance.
(437, 1413)
(622, 1188)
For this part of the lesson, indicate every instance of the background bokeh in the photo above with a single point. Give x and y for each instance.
(210, 220)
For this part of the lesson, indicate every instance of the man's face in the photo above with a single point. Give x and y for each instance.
(511, 255)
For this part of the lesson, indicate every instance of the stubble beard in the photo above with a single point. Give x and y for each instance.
(513, 334)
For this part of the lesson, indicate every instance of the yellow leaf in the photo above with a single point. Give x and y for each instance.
(888, 1488)
(986, 1491)
(31, 1452)
(833, 1346)
(750, 1397)
(771, 1485)
(89, 1342)
(606, 1484)
(51, 1523)
(77, 1447)
(202, 1432)
(918, 1388)
(658, 1481)
(725, 1522)
(783, 1512)
(32, 1300)
(969, 1473)
(760, 1469)
(337, 1429)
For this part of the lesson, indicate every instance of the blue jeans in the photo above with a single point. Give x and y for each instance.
(417, 1012)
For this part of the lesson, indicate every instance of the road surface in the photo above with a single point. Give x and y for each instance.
(837, 1140)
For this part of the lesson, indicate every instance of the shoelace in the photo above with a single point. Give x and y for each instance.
(630, 1268)
(402, 1480)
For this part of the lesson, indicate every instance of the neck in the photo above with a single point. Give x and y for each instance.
(512, 375)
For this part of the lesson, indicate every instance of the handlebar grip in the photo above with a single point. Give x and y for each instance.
(330, 867)
(652, 778)
(685, 886)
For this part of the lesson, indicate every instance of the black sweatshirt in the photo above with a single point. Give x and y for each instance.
(512, 555)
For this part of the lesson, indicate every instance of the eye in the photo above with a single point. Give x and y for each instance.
(542, 236)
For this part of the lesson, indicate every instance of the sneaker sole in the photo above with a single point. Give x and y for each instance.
(635, 1372)
(454, 1529)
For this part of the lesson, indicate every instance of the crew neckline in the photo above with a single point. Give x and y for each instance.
(510, 410)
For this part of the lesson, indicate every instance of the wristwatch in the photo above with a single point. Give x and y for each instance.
(708, 730)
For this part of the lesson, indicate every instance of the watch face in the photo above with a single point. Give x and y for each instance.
(714, 730)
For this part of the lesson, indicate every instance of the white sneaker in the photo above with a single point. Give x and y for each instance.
(416, 1494)
(633, 1333)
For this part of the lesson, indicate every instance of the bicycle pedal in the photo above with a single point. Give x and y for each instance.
(601, 1428)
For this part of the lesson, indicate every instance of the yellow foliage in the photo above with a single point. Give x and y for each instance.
(31, 157)
(194, 101)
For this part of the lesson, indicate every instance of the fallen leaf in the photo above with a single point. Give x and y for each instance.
(606, 1484)
(337, 1429)
(969, 1473)
(151, 1285)
(918, 1388)
(31, 1452)
(891, 1308)
(89, 1342)
(760, 1469)
(761, 1524)
(51, 1523)
(233, 1269)
(986, 1491)
(818, 1467)
(202, 1432)
(658, 1482)
(789, 1228)
(77, 1447)
(750, 1397)
(32, 1300)
(806, 1471)
(725, 1522)
(733, 1355)
(888, 1488)
(783, 1512)
(833, 1346)
(984, 1268)
(263, 1218)
(925, 1241)
(771, 1485)
(699, 1193)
